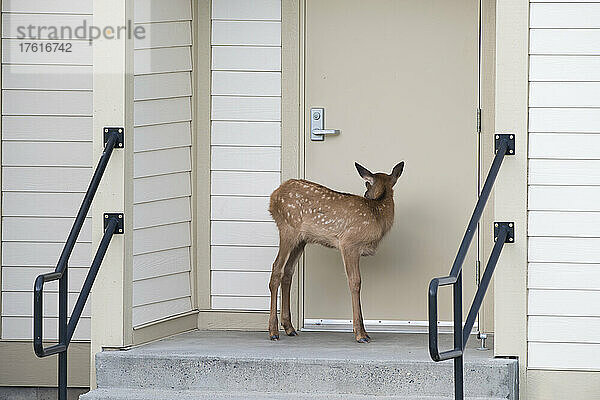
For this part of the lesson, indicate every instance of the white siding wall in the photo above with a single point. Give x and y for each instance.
(162, 160)
(246, 149)
(564, 186)
(46, 162)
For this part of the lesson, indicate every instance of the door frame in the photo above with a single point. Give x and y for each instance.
(294, 125)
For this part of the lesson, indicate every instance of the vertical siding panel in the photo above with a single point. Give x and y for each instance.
(46, 161)
(162, 161)
(564, 186)
(246, 149)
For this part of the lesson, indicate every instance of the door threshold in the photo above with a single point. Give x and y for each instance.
(375, 325)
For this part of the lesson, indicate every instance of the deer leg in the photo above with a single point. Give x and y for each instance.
(286, 283)
(285, 248)
(351, 262)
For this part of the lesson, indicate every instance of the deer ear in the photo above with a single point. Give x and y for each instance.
(397, 171)
(365, 173)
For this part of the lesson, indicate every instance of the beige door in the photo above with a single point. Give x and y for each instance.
(399, 78)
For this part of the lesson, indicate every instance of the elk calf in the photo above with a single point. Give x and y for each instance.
(306, 212)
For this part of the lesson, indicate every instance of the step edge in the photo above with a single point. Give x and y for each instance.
(119, 355)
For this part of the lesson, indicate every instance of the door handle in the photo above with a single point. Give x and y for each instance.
(317, 125)
(326, 132)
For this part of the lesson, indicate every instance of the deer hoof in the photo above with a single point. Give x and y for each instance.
(274, 337)
(364, 340)
(292, 333)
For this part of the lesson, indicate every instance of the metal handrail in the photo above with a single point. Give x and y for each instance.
(503, 233)
(113, 223)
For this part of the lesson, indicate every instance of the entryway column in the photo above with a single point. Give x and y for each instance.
(113, 107)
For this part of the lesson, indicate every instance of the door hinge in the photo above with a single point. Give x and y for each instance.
(479, 120)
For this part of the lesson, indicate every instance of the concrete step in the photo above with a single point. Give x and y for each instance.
(229, 363)
(132, 394)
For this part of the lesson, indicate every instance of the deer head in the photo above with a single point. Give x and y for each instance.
(379, 184)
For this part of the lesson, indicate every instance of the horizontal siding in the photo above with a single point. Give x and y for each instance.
(171, 287)
(246, 149)
(162, 162)
(246, 134)
(247, 33)
(242, 258)
(234, 183)
(20, 304)
(46, 161)
(161, 310)
(584, 15)
(162, 212)
(246, 58)
(47, 154)
(564, 198)
(34, 255)
(564, 329)
(163, 136)
(12, 21)
(234, 83)
(21, 328)
(80, 54)
(162, 111)
(229, 233)
(162, 60)
(46, 129)
(564, 172)
(564, 356)
(168, 34)
(231, 283)
(41, 102)
(146, 11)
(564, 68)
(246, 303)
(563, 1)
(17, 279)
(564, 183)
(246, 159)
(576, 120)
(564, 94)
(564, 250)
(163, 86)
(161, 263)
(240, 208)
(569, 146)
(162, 187)
(244, 10)
(80, 7)
(47, 77)
(48, 180)
(576, 303)
(231, 108)
(564, 224)
(563, 276)
(46, 230)
(565, 41)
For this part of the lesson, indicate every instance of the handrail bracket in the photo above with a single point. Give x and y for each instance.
(120, 219)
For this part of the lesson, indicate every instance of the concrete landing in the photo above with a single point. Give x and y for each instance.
(237, 365)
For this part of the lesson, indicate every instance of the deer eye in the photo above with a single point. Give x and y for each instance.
(368, 185)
